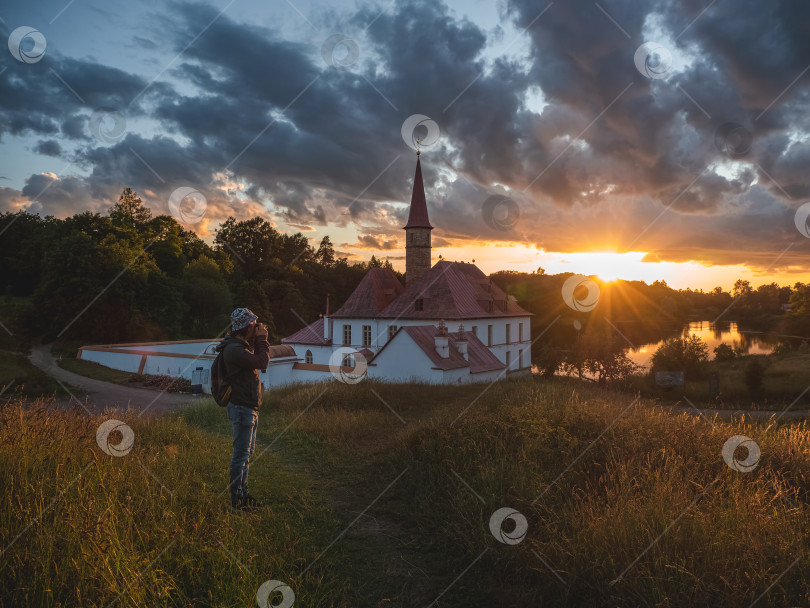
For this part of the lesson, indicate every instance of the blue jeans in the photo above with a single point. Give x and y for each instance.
(244, 421)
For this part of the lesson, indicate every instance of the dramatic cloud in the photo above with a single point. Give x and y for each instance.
(707, 163)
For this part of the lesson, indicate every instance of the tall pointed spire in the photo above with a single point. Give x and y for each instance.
(418, 215)
(417, 230)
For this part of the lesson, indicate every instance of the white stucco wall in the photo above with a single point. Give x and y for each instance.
(122, 361)
(278, 371)
(196, 347)
(379, 335)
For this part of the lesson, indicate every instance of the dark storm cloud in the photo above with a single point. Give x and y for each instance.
(51, 195)
(341, 137)
(599, 163)
(48, 147)
(37, 98)
(370, 242)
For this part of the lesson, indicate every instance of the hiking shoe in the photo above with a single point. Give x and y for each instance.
(250, 503)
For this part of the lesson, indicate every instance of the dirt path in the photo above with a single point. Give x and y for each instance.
(759, 416)
(106, 394)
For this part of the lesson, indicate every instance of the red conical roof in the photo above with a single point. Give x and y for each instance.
(418, 216)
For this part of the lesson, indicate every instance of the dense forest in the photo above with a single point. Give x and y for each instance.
(129, 276)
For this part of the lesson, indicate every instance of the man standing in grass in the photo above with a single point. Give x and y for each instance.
(245, 351)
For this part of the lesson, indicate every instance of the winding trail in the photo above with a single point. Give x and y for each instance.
(107, 394)
(103, 395)
(751, 415)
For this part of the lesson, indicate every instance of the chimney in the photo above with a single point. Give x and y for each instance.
(327, 330)
(441, 340)
(461, 342)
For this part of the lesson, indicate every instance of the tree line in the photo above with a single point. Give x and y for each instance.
(132, 276)
(129, 276)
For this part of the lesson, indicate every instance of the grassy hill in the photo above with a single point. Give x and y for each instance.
(381, 496)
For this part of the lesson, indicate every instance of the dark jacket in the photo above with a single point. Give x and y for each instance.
(242, 364)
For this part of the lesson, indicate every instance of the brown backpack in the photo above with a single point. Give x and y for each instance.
(220, 380)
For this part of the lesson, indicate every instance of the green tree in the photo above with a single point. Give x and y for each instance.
(798, 320)
(742, 289)
(130, 208)
(252, 295)
(207, 299)
(326, 253)
(689, 355)
(724, 352)
(252, 243)
(599, 354)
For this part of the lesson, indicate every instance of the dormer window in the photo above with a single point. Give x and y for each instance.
(418, 304)
(490, 306)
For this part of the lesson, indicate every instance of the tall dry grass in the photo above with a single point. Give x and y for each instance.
(389, 489)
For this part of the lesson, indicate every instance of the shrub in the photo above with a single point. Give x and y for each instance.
(724, 352)
(689, 355)
(169, 384)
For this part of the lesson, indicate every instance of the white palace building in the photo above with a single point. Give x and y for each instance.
(449, 324)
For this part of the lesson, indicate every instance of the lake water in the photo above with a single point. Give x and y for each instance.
(752, 343)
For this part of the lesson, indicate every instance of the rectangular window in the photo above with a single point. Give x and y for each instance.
(489, 335)
(520, 332)
(392, 329)
(347, 334)
(508, 333)
(475, 330)
(366, 335)
(508, 359)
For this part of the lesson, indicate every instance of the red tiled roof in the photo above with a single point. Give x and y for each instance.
(423, 336)
(311, 334)
(418, 214)
(377, 290)
(481, 358)
(281, 350)
(368, 355)
(453, 290)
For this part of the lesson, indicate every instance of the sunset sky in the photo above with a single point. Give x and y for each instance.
(626, 138)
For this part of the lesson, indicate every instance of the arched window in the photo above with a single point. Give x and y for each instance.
(347, 361)
(308, 357)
